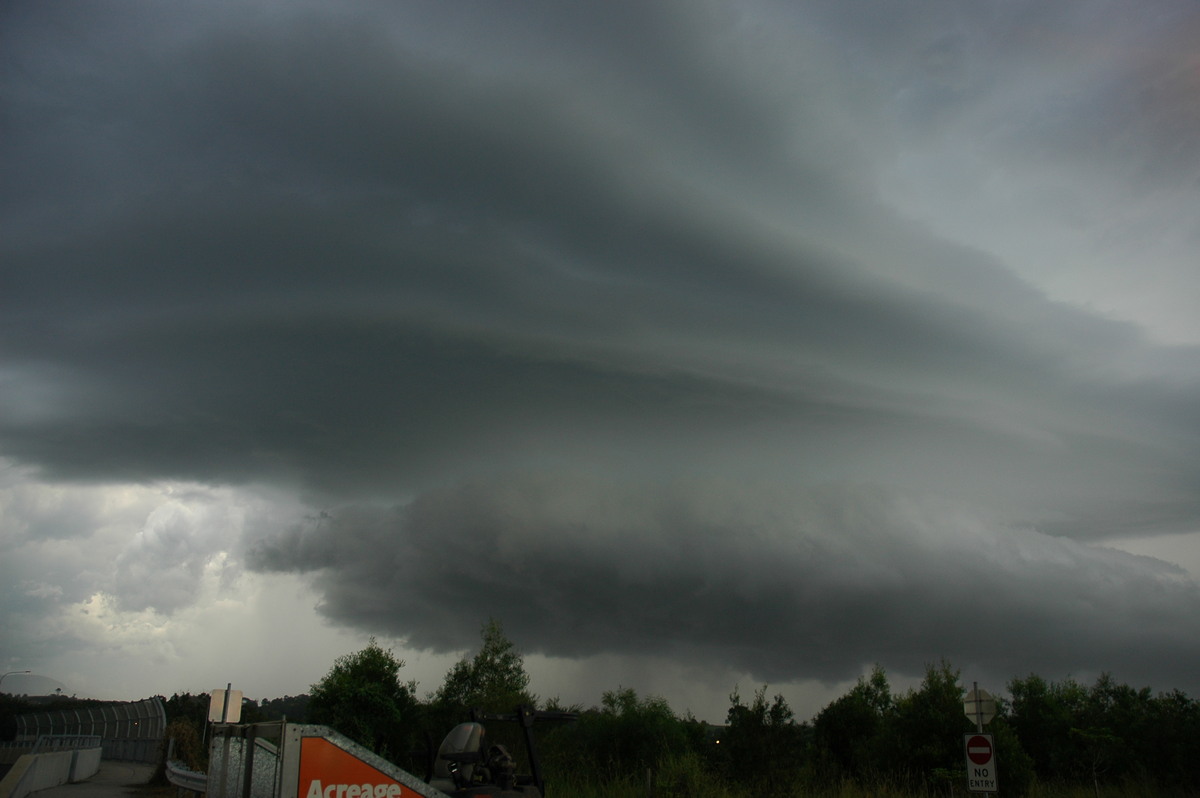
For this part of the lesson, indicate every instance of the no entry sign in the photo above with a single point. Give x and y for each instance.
(979, 748)
(981, 763)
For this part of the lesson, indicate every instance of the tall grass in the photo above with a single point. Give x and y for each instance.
(686, 776)
(682, 775)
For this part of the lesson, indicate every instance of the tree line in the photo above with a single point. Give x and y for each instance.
(1049, 736)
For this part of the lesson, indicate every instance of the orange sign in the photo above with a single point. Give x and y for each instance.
(327, 771)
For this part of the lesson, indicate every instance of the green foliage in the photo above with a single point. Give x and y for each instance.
(1043, 714)
(494, 680)
(292, 707)
(1016, 766)
(636, 733)
(188, 747)
(911, 742)
(1168, 747)
(928, 725)
(763, 744)
(1052, 739)
(1109, 735)
(188, 707)
(640, 731)
(849, 734)
(10, 707)
(623, 737)
(363, 698)
(689, 776)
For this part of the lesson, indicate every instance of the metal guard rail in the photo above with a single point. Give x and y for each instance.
(184, 779)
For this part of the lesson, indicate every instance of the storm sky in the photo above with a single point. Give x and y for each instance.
(701, 344)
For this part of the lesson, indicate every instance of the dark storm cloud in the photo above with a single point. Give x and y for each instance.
(775, 582)
(368, 252)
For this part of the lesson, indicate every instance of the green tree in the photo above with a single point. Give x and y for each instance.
(292, 707)
(187, 717)
(928, 725)
(1042, 715)
(1173, 728)
(636, 733)
(1115, 721)
(1010, 755)
(764, 744)
(186, 744)
(848, 734)
(10, 707)
(620, 739)
(188, 707)
(363, 698)
(494, 680)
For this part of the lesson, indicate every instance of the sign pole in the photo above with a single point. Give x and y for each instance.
(981, 755)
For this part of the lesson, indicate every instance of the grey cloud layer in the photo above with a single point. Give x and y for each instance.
(368, 252)
(775, 582)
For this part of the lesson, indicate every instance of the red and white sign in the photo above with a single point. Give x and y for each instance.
(979, 749)
(981, 763)
(327, 771)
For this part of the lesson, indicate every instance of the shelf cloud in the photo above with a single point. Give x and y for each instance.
(789, 338)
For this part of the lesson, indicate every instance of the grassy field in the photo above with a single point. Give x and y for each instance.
(630, 788)
(683, 777)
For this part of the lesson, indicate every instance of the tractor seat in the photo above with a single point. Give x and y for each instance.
(462, 749)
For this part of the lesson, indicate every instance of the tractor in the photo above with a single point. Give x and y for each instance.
(466, 765)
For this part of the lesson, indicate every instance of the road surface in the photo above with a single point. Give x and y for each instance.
(113, 780)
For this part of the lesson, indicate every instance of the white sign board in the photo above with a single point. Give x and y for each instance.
(981, 763)
(219, 711)
(979, 706)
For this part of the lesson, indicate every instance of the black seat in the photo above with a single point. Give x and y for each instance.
(457, 757)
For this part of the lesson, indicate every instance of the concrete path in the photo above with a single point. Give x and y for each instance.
(113, 780)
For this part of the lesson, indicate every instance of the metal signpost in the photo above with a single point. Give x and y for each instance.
(980, 707)
(225, 706)
(981, 753)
